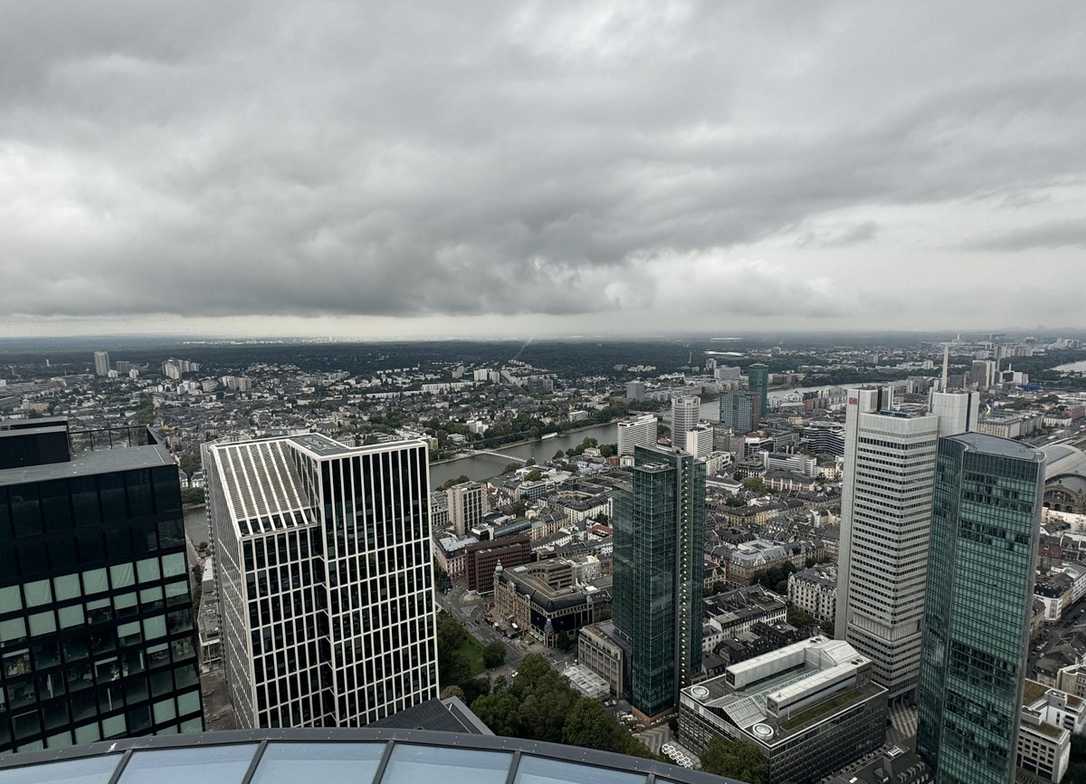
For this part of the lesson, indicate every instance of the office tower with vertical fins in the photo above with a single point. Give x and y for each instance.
(322, 558)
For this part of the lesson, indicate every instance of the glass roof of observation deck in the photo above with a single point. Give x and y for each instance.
(337, 756)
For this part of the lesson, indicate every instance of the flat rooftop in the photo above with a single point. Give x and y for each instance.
(1004, 447)
(792, 673)
(100, 461)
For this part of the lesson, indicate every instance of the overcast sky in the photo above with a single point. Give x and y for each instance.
(471, 168)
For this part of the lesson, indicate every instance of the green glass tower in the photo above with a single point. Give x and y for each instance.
(758, 374)
(984, 535)
(659, 565)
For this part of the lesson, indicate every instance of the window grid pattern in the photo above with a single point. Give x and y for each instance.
(330, 609)
(980, 582)
(96, 625)
(889, 474)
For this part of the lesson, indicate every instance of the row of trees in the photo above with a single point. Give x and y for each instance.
(460, 663)
(539, 704)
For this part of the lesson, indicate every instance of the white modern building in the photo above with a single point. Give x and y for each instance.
(699, 440)
(468, 504)
(1048, 719)
(324, 578)
(886, 502)
(101, 363)
(685, 413)
(637, 431)
(794, 463)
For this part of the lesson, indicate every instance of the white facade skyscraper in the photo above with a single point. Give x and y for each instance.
(699, 441)
(324, 576)
(638, 431)
(886, 508)
(101, 363)
(685, 413)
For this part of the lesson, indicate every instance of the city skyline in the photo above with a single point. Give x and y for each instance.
(509, 169)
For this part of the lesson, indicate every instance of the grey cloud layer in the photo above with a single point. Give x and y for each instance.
(497, 157)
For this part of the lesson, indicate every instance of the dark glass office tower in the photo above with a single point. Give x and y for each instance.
(985, 525)
(96, 629)
(659, 565)
(737, 410)
(758, 374)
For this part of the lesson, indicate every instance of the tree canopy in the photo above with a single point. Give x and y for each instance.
(734, 759)
(539, 704)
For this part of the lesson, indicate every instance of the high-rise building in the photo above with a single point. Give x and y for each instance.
(685, 413)
(635, 391)
(699, 441)
(324, 577)
(737, 410)
(658, 571)
(468, 504)
(96, 627)
(759, 387)
(636, 431)
(101, 363)
(885, 523)
(984, 539)
(728, 374)
(983, 373)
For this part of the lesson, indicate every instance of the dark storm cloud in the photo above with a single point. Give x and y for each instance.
(496, 157)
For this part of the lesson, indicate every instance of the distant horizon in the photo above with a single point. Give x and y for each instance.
(767, 336)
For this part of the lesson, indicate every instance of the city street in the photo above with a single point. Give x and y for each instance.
(470, 610)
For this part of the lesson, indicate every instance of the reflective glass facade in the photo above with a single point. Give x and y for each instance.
(658, 573)
(96, 620)
(985, 527)
(758, 375)
(352, 756)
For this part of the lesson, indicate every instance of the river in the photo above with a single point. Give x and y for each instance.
(485, 466)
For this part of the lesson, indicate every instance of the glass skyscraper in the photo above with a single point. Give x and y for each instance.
(658, 572)
(96, 626)
(758, 374)
(737, 410)
(985, 527)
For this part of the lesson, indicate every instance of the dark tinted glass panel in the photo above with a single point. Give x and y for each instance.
(25, 512)
(167, 489)
(5, 515)
(91, 547)
(55, 507)
(85, 501)
(171, 533)
(138, 484)
(111, 492)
